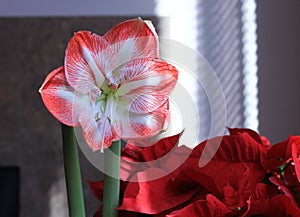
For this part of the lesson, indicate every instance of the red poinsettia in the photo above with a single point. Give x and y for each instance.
(283, 164)
(229, 178)
(246, 177)
(231, 184)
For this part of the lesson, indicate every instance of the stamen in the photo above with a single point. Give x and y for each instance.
(106, 116)
(98, 109)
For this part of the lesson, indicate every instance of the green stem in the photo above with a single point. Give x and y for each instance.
(72, 173)
(111, 180)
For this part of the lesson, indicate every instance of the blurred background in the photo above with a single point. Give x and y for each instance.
(253, 47)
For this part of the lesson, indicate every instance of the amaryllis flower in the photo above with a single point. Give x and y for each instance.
(114, 86)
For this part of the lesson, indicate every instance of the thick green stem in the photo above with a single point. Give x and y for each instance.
(111, 180)
(72, 173)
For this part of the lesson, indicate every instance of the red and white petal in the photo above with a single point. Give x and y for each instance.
(146, 84)
(58, 97)
(98, 134)
(173, 124)
(130, 126)
(133, 39)
(168, 128)
(88, 57)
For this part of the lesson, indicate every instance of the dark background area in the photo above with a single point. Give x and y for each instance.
(279, 68)
(9, 188)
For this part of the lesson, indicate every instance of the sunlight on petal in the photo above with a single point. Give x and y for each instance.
(130, 86)
(91, 62)
(133, 39)
(130, 125)
(126, 49)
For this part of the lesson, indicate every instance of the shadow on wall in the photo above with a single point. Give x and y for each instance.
(279, 68)
(9, 188)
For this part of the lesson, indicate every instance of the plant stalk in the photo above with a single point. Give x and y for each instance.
(111, 190)
(72, 173)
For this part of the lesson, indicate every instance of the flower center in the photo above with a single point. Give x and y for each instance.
(104, 102)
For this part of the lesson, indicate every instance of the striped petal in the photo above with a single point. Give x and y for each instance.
(88, 58)
(133, 39)
(130, 126)
(145, 84)
(98, 134)
(58, 97)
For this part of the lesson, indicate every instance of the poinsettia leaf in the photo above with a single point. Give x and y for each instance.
(281, 205)
(265, 141)
(121, 213)
(136, 158)
(161, 148)
(283, 188)
(97, 189)
(234, 148)
(235, 154)
(252, 133)
(296, 158)
(260, 199)
(150, 153)
(278, 154)
(219, 208)
(155, 196)
(211, 207)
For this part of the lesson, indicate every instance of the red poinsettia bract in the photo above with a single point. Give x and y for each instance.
(246, 177)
